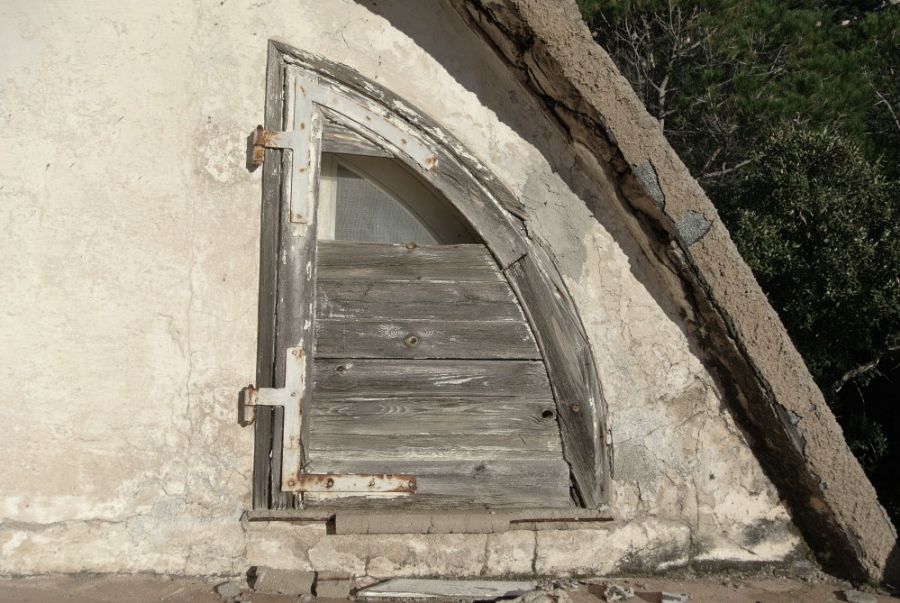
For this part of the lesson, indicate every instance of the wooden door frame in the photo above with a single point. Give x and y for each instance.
(361, 116)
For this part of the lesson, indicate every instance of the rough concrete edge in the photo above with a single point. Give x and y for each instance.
(797, 437)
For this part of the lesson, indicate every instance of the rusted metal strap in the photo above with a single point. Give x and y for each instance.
(289, 397)
(262, 139)
(354, 482)
(293, 479)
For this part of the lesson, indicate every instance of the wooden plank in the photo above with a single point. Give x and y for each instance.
(569, 363)
(512, 446)
(343, 260)
(295, 300)
(335, 378)
(448, 521)
(269, 240)
(441, 416)
(537, 481)
(339, 139)
(262, 462)
(416, 300)
(424, 339)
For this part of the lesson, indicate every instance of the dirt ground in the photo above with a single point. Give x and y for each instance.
(147, 588)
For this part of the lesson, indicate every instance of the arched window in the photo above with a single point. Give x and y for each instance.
(415, 345)
(379, 200)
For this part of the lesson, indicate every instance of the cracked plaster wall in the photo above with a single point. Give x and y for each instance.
(131, 240)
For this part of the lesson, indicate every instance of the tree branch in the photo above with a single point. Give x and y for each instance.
(862, 369)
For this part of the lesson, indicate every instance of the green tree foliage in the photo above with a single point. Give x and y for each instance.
(820, 227)
(788, 113)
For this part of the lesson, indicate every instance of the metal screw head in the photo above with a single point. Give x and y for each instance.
(411, 340)
(411, 245)
(341, 368)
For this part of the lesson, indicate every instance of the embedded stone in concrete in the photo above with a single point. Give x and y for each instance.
(231, 589)
(482, 590)
(855, 596)
(614, 592)
(283, 582)
(333, 589)
(543, 596)
(333, 585)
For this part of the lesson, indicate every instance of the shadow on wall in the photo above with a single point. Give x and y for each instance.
(439, 30)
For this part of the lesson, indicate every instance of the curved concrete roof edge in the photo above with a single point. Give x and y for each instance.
(771, 391)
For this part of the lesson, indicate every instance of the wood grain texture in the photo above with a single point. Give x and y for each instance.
(266, 430)
(344, 377)
(351, 260)
(416, 300)
(339, 139)
(472, 447)
(486, 203)
(469, 185)
(436, 416)
(535, 482)
(433, 339)
(569, 363)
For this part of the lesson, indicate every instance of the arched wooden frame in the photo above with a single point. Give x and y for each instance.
(313, 104)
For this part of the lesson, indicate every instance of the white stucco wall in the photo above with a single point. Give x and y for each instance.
(130, 258)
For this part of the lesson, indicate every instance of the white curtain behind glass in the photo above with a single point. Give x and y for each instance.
(364, 212)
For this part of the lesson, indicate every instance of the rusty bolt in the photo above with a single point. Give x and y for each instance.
(329, 483)
(411, 341)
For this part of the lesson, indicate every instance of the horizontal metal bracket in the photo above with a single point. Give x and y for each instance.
(262, 139)
(293, 477)
(353, 483)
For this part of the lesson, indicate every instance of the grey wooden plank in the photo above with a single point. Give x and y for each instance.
(339, 139)
(421, 415)
(295, 307)
(335, 378)
(416, 300)
(570, 366)
(268, 278)
(262, 463)
(447, 521)
(344, 260)
(425, 339)
(461, 447)
(526, 468)
(533, 482)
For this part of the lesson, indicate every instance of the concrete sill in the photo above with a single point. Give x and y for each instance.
(374, 521)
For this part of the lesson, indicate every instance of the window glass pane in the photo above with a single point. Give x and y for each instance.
(364, 212)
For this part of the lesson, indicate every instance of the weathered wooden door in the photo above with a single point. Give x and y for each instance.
(416, 347)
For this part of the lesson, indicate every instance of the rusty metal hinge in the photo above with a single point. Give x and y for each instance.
(261, 139)
(294, 479)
